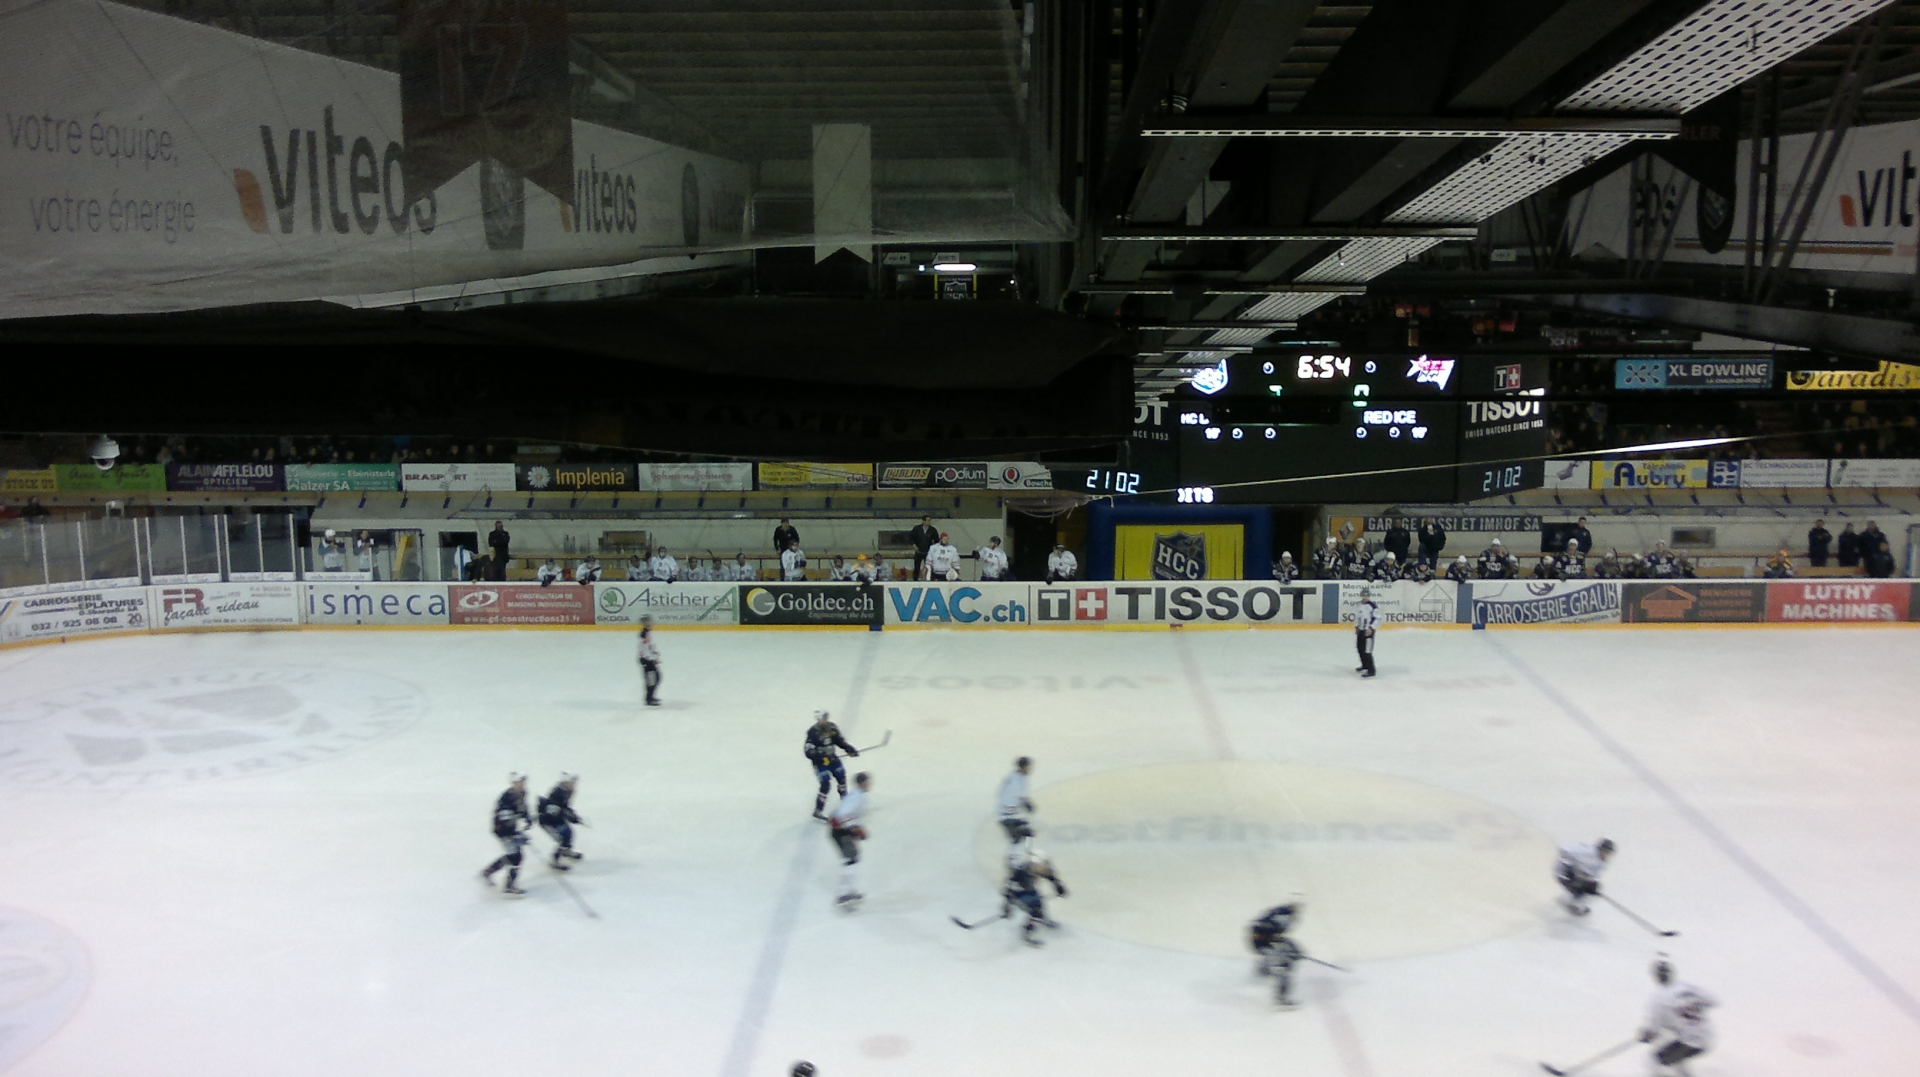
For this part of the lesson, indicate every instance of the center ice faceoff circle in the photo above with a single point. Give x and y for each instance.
(1183, 855)
(200, 725)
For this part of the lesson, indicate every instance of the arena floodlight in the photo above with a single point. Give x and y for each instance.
(954, 267)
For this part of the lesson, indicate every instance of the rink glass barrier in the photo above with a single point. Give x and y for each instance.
(66, 609)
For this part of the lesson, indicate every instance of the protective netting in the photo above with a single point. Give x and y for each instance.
(191, 153)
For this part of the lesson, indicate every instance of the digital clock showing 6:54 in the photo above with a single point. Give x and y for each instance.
(1312, 372)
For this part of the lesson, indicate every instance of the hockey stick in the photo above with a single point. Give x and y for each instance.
(1594, 1061)
(883, 742)
(1328, 964)
(575, 895)
(1005, 911)
(1629, 914)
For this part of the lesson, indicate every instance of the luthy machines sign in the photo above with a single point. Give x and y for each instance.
(177, 165)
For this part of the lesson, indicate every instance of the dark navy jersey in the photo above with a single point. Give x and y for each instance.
(822, 742)
(1271, 927)
(556, 807)
(510, 814)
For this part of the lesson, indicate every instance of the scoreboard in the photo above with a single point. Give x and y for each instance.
(1361, 426)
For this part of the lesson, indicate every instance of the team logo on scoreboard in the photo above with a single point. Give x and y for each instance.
(1212, 379)
(1436, 372)
(1179, 556)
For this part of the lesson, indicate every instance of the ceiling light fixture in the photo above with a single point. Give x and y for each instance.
(954, 267)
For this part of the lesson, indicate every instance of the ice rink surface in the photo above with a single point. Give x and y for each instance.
(255, 855)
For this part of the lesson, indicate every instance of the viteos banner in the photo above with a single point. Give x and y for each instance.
(1404, 602)
(1875, 474)
(810, 604)
(377, 604)
(694, 477)
(225, 605)
(151, 163)
(667, 603)
(1545, 602)
(1213, 601)
(73, 613)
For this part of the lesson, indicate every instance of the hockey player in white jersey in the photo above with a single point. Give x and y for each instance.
(549, 573)
(943, 560)
(1012, 802)
(845, 829)
(741, 572)
(1578, 871)
(649, 656)
(1677, 1026)
(993, 561)
(1061, 564)
(793, 563)
(665, 568)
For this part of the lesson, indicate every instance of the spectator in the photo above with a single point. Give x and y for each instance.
(496, 569)
(1779, 566)
(637, 569)
(1399, 540)
(665, 568)
(1819, 540)
(1581, 535)
(793, 562)
(1849, 547)
(1433, 539)
(1284, 569)
(549, 572)
(1870, 537)
(993, 561)
(785, 536)
(363, 549)
(1061, 564)
(478, 568)
(587, 572)
(1460, 571)
(333, 556)
(923, 536)
(498, 540)
(1880, 560)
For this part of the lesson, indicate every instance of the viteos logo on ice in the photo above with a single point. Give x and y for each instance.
(198, 726)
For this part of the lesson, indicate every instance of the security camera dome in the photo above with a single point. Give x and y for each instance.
(105, 452)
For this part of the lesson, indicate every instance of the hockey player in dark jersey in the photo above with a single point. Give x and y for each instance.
(823, 738)
(1026, 866)
(510, 825)
(1278, 953)
(557, 818)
